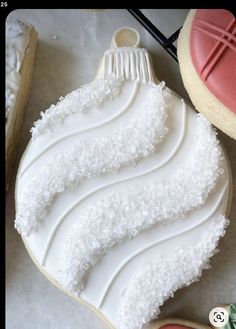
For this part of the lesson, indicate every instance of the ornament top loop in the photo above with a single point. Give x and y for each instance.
(125, 37)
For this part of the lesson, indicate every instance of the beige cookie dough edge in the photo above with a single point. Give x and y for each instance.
(202, 98)
(16, 114)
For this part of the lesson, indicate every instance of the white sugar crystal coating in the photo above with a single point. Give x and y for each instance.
(156, 281)
(79, 100)
(121, 216)
(89, 158)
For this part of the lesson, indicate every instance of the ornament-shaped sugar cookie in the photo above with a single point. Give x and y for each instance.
(122, 191)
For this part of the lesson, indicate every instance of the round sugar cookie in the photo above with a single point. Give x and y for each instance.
(206, 50)
(123, 191)
(177, 323)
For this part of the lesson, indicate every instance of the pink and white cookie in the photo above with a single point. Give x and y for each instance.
(177, 323)
(207, 60)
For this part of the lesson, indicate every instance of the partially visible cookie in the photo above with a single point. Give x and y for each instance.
(177, 323)
(21, 42)
(180, 323)
(207, 60)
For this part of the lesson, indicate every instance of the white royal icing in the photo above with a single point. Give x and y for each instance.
(92, 94)
(121, 216)
(80, 130)
(186, 167)
(128, 63)
(146, 247)
(129, 143)
(156, 281)
(104, 187)
(17, 39)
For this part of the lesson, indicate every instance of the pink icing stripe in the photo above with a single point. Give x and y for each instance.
(212, 48)
(217, 28)
(217, 37)
(214, 61)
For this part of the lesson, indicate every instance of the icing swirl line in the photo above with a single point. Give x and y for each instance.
(89, 158)
(100, 189)
(220, 46)
(79, 100)
(98, 125)
(121, 216)
(154, 244)
(156, 281)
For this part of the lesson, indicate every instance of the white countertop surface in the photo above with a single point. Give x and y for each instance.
(70, 46)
